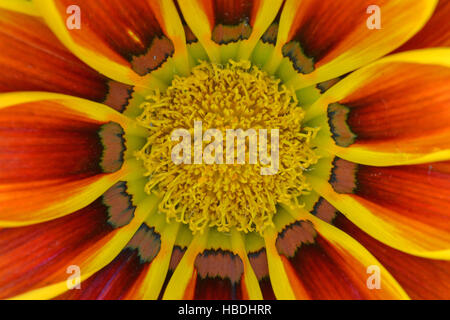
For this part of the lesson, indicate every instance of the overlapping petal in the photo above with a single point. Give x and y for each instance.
(311, 259)
(237, 25)
(392, 112)
(37, 261)
(327, 39)
(404, 207)
(214, 267)
(127, 42)
(33, 59)
(436, 33)
(421, 278)
(58, 154)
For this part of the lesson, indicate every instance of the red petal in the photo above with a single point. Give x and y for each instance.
(258, 261)
(48, 154)
(418, 195)
(436, 32)
(38, 255)
(119, 277)
(421, 278)
(219, 275)
(33, 59)
(404, 103)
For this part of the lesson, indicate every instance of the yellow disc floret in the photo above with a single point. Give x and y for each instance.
(226, 194)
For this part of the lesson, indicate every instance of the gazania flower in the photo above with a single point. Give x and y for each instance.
(92, 205)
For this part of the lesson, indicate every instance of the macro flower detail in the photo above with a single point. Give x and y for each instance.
(115, 144)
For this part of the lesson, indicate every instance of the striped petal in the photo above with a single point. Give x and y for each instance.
(58, 153)
(404, 207)
(36, 260)
(219, 22)
(322, 262)
(120, 276)
(421, 278)
(392, 112)
(429, 37)
(127, 42)
(33, 59)
(214, 267)
(327, 39)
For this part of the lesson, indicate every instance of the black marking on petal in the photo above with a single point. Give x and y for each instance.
(340, 130)
(147, 242)
(343, 176)
(118, 95)
(219, 275)
(111, 137)
(258, 261)
(157, 54)
(324, 86)
(231, 20)
(324, 210)
(302, 63)
(190, 36)
(225, 34)
(177, 254)
(293, 236)
(119, 203)
(271, 34)
(219, 264)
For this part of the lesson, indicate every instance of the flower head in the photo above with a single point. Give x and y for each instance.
(224, 149)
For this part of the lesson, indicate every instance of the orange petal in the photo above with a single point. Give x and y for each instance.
(436, 32)
(127, 270)
(404, 207)
(393, 111)
(219, 276)
(328, 264)
(219, 22)
(33, 59)
(39, 255)
(214, 266)
(124, 41)
(421, 278)
(327, 39)
(54, 158)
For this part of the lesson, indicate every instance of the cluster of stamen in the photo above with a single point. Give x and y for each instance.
(235, 96)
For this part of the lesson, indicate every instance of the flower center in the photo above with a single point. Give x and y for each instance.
(209, 180)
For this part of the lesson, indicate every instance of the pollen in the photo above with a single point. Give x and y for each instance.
(224, 194)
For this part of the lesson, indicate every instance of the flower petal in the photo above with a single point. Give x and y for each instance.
(258, 261)
(38, 256)
(411, 217)
(421, 278)
(219, 22)
(22, 6)
(436, 32)
(326, 39)
(152, 281)
(392, 112)
(33, 59)
(57, 154)
(118, 279)
(214, 267)
(329, 264)
(124, 41)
